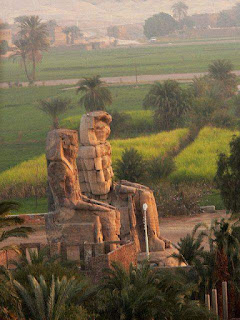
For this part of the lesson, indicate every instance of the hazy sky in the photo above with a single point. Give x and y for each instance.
(125, 11)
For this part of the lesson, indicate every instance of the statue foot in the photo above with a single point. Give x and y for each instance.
(156, 244)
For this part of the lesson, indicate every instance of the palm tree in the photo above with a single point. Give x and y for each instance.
(35, 33)
(75, 33)
(54, 107)
(180, 10)
(35, 257)
(21, 51)
(190, 247)
(96, 95)
(8, 221)
(67, 31)
(143, 293)
(43, 301)
(128, 294)
(222, 72)
(170, 102)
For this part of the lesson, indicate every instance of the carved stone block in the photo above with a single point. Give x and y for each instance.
(87, 152)
(98, 163)
(89, 164)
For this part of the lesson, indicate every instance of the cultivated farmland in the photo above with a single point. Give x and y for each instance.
(73, 63)
(23, 179)
(198, 162)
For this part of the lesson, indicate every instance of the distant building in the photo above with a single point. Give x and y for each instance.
(60, 37)
(126, 32)
(205, 20)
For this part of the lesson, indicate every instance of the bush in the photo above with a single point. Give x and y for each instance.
(131, 166)
(178, 200)
(222, 119)
(75, 313)
(160, 167)
(236, 104)
(121, 123)
(202, 110)
(228, 176)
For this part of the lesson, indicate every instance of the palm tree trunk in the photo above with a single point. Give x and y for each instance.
(72, 38)
(26, 70)
(67, 38)
(55, 123)
(33, 66)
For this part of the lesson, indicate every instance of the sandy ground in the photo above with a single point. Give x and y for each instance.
(172, 228)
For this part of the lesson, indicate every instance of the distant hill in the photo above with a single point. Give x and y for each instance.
(102, 13)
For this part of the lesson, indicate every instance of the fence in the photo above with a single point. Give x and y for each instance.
(89, 256)
(212, 302)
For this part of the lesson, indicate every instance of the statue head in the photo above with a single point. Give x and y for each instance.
(95, 128)
(62, 144)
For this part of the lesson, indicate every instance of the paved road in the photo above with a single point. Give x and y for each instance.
(117, 80)
(183, 77)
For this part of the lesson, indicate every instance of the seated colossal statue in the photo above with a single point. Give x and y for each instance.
(96, 182)
(75, 218)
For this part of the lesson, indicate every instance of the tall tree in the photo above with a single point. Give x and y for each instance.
(95, 95)
(222, 71)
(179, 10)
(170, 102)
(35, 33)
(75, 33)
(225, 20)
(54, 107)
(160, 24)
(228, 176)
(51, 25)
(21, 51)
(67, 31)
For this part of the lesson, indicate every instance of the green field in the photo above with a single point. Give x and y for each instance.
(73, 63)
(199, 161)
(150, 146)
(23, 128)
(29, 176)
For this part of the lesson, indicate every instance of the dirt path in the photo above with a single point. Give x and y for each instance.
(172, 228)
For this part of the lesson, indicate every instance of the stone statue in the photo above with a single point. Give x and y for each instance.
(76, 218)
(94, 157)
(95, 173)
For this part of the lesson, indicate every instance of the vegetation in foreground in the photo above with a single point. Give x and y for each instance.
(219, 263)
(141, 292)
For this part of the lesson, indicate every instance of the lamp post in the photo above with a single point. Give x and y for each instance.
(145, 207)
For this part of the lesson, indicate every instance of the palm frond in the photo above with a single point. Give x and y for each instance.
(21, 232)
